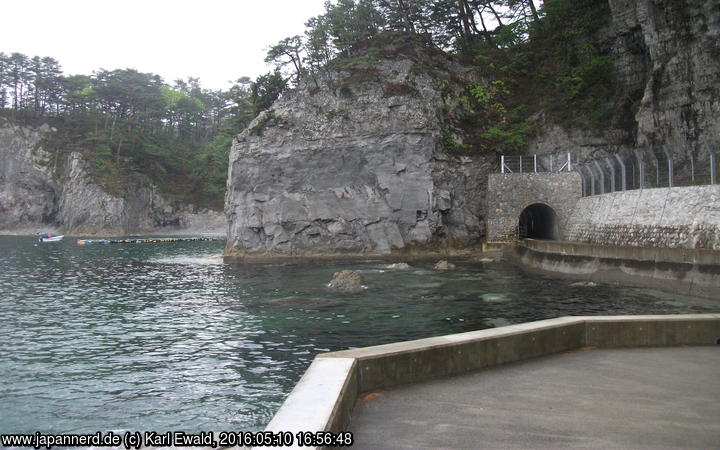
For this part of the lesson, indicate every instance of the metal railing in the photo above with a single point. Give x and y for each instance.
(650, 168)
(637, 169)
(554, 162)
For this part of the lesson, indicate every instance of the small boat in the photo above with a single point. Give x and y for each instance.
(50, 238)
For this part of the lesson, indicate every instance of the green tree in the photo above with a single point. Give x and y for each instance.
(288, 51)
(317, 42)
(350, 22)
(265, 90)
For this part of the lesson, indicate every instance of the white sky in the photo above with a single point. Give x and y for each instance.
(215, 40)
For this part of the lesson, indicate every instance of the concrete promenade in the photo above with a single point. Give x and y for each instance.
(648, 381)
(647, 397)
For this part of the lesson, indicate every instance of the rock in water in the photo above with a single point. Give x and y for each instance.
(444, 265)
(400, 266)
(347, 281)
(353, 163)
(583, 284)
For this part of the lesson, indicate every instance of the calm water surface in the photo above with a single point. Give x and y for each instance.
(166, 337)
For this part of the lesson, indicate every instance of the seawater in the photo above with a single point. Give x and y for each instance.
(165, 337)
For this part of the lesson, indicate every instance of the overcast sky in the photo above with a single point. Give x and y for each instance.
(215, 40)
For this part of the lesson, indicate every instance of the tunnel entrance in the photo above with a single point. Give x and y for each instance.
(538, 221)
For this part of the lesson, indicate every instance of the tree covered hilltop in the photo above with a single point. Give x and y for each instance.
(132, 126)
(526, 58)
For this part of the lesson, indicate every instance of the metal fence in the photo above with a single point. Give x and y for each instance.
(555, 162)
(637, 169)
(650, 168)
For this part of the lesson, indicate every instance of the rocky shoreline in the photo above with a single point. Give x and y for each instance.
(40, 192)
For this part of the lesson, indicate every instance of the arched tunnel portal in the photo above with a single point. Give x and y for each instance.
(536, 205)
(538, 221)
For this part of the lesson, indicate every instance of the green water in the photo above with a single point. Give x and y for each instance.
(166, 337)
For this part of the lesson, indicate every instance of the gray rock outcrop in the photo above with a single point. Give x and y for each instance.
(667, 70)
(39, 192)
(443, 265)
(354, 165)
(27, 192)
(348, 281)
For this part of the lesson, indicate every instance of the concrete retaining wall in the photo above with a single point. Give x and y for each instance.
(323, 399)
(686, 271)
(679, 217)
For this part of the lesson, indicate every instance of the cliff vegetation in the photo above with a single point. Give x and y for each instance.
(525, 60)
(132, 127)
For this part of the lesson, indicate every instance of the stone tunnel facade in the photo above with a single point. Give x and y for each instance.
(510, 193)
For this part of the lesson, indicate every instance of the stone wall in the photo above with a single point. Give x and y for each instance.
(510, 193)
(679, 217)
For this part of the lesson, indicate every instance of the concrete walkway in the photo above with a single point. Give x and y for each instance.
(592, 398)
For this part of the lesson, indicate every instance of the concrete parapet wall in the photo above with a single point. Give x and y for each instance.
(408, 362)
(678, 217)
(686, 271)
(323, 399)
(651, 331)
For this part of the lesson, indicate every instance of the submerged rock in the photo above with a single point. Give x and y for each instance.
(444, 265)
(400, 266)
(313, 302)
(493, 298)
(347, 281)
(583, 284)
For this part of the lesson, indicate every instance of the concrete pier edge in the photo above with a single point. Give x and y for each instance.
(324, 397)
(678, 270)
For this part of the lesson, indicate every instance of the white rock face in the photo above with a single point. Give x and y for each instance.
(353, 167)
(667, 69)
(669, 51)
(37, 195)
(27, 194)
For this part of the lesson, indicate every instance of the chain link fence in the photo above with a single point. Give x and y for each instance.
(650, 168)
(637, 169)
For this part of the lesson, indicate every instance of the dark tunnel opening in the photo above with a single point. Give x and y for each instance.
(538, 221)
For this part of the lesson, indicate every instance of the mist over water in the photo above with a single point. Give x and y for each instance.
(164, 337)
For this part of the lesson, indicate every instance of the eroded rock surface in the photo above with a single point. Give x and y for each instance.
(354, 165)
(399, 266)
(39, 191)
(666, 56)
(444, 265)
(348, 281)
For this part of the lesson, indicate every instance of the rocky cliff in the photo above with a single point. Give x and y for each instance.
(352, 162)
(357, 160)
(666, 55)
(38, 192)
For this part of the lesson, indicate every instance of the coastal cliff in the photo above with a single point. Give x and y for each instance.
(40, 192)
(352, 163)
(361, 159)
(666, 61)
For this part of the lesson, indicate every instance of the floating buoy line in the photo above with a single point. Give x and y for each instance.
(142, 241)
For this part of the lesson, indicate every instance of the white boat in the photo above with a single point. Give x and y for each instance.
(51, 238)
